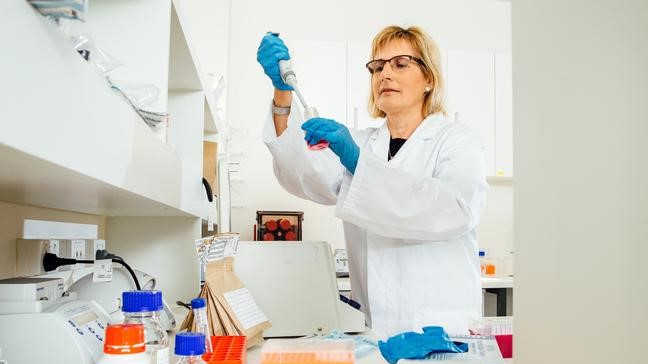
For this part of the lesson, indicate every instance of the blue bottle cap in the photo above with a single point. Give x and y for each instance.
(198, 303)
(482, 253)
(189, 343)
(141, 301)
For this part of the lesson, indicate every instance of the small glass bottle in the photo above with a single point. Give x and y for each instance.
(143, 307)
(198, 305)
(189, 347)
(124, 343)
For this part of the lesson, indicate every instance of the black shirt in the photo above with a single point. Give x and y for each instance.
(395, 145)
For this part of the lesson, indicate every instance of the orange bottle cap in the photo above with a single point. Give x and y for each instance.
(124, 339)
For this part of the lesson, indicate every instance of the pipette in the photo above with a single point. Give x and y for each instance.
(290, 79)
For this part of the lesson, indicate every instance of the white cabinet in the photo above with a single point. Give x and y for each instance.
(471, 94)
(321, 71)
(68, 142)
(503, 115)
(359, 87)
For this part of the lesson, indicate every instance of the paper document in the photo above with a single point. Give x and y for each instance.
(244, 307)
(481, 350)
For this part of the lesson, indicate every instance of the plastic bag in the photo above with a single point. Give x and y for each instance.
(363, 345)
(99, 58)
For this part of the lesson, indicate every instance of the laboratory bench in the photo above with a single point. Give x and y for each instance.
(374, 357)
(253, 354)
(497, 285)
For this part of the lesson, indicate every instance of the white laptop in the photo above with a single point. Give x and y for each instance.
(294, 284)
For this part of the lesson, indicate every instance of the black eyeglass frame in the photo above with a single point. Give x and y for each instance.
(411, 58)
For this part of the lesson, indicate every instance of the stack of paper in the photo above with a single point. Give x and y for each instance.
(481, 350)
(231, 309)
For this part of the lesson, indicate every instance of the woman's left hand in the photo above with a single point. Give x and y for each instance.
(339, 138)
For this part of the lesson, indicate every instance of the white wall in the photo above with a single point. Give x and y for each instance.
(580, 84)
(496, 226)
(473, 25)
(162, 247)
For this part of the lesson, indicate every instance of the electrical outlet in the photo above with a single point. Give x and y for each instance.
(77, 249)
(53, 246)
(98, 244)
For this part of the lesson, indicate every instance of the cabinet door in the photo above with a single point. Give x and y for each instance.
(471, 94)
(321, 72)
(503, 115)
(359, 87)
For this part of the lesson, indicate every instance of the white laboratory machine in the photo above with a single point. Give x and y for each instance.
(52, 329)
(108, 294)
(294, 284)
(60, 317)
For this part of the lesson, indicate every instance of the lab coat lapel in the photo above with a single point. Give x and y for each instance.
(379, 142)
(426, 132)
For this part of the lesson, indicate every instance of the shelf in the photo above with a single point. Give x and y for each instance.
(501, 180)
(69, 142)
(184, 67)
(28, 180)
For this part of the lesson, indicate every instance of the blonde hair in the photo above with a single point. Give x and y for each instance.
(434, 101)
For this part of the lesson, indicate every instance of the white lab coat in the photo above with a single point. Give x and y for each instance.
(409, 223)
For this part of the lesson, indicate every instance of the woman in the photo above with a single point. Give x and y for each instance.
(410, 193)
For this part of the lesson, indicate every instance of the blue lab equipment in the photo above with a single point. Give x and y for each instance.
(414, 345)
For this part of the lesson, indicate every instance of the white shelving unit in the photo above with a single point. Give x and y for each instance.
(68, 142)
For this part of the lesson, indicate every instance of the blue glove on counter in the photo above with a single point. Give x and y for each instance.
(339, 138)
(414, 345)
(270, 52)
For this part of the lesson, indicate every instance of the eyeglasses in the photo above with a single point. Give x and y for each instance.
(397, 63)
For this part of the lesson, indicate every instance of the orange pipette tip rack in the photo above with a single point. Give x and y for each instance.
(226, 350)
(307, 351)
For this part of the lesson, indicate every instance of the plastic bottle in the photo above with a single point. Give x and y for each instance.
(189, 347)
(482, 262)
(198, 305)
(486, 265)
(124, 343)
(143, 307)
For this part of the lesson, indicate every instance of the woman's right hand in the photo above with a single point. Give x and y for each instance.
(272, 50)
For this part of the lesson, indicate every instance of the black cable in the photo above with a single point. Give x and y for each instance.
(52, 261)
(185, 305)
(103, 254)
(208, 190)
(132, 273)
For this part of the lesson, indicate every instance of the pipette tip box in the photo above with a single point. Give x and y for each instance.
(312, 351)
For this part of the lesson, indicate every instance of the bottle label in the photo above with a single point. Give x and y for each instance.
(161, 356)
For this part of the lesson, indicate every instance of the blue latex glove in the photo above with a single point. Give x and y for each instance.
(339, 138)
(272, 50)
(414, 345)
